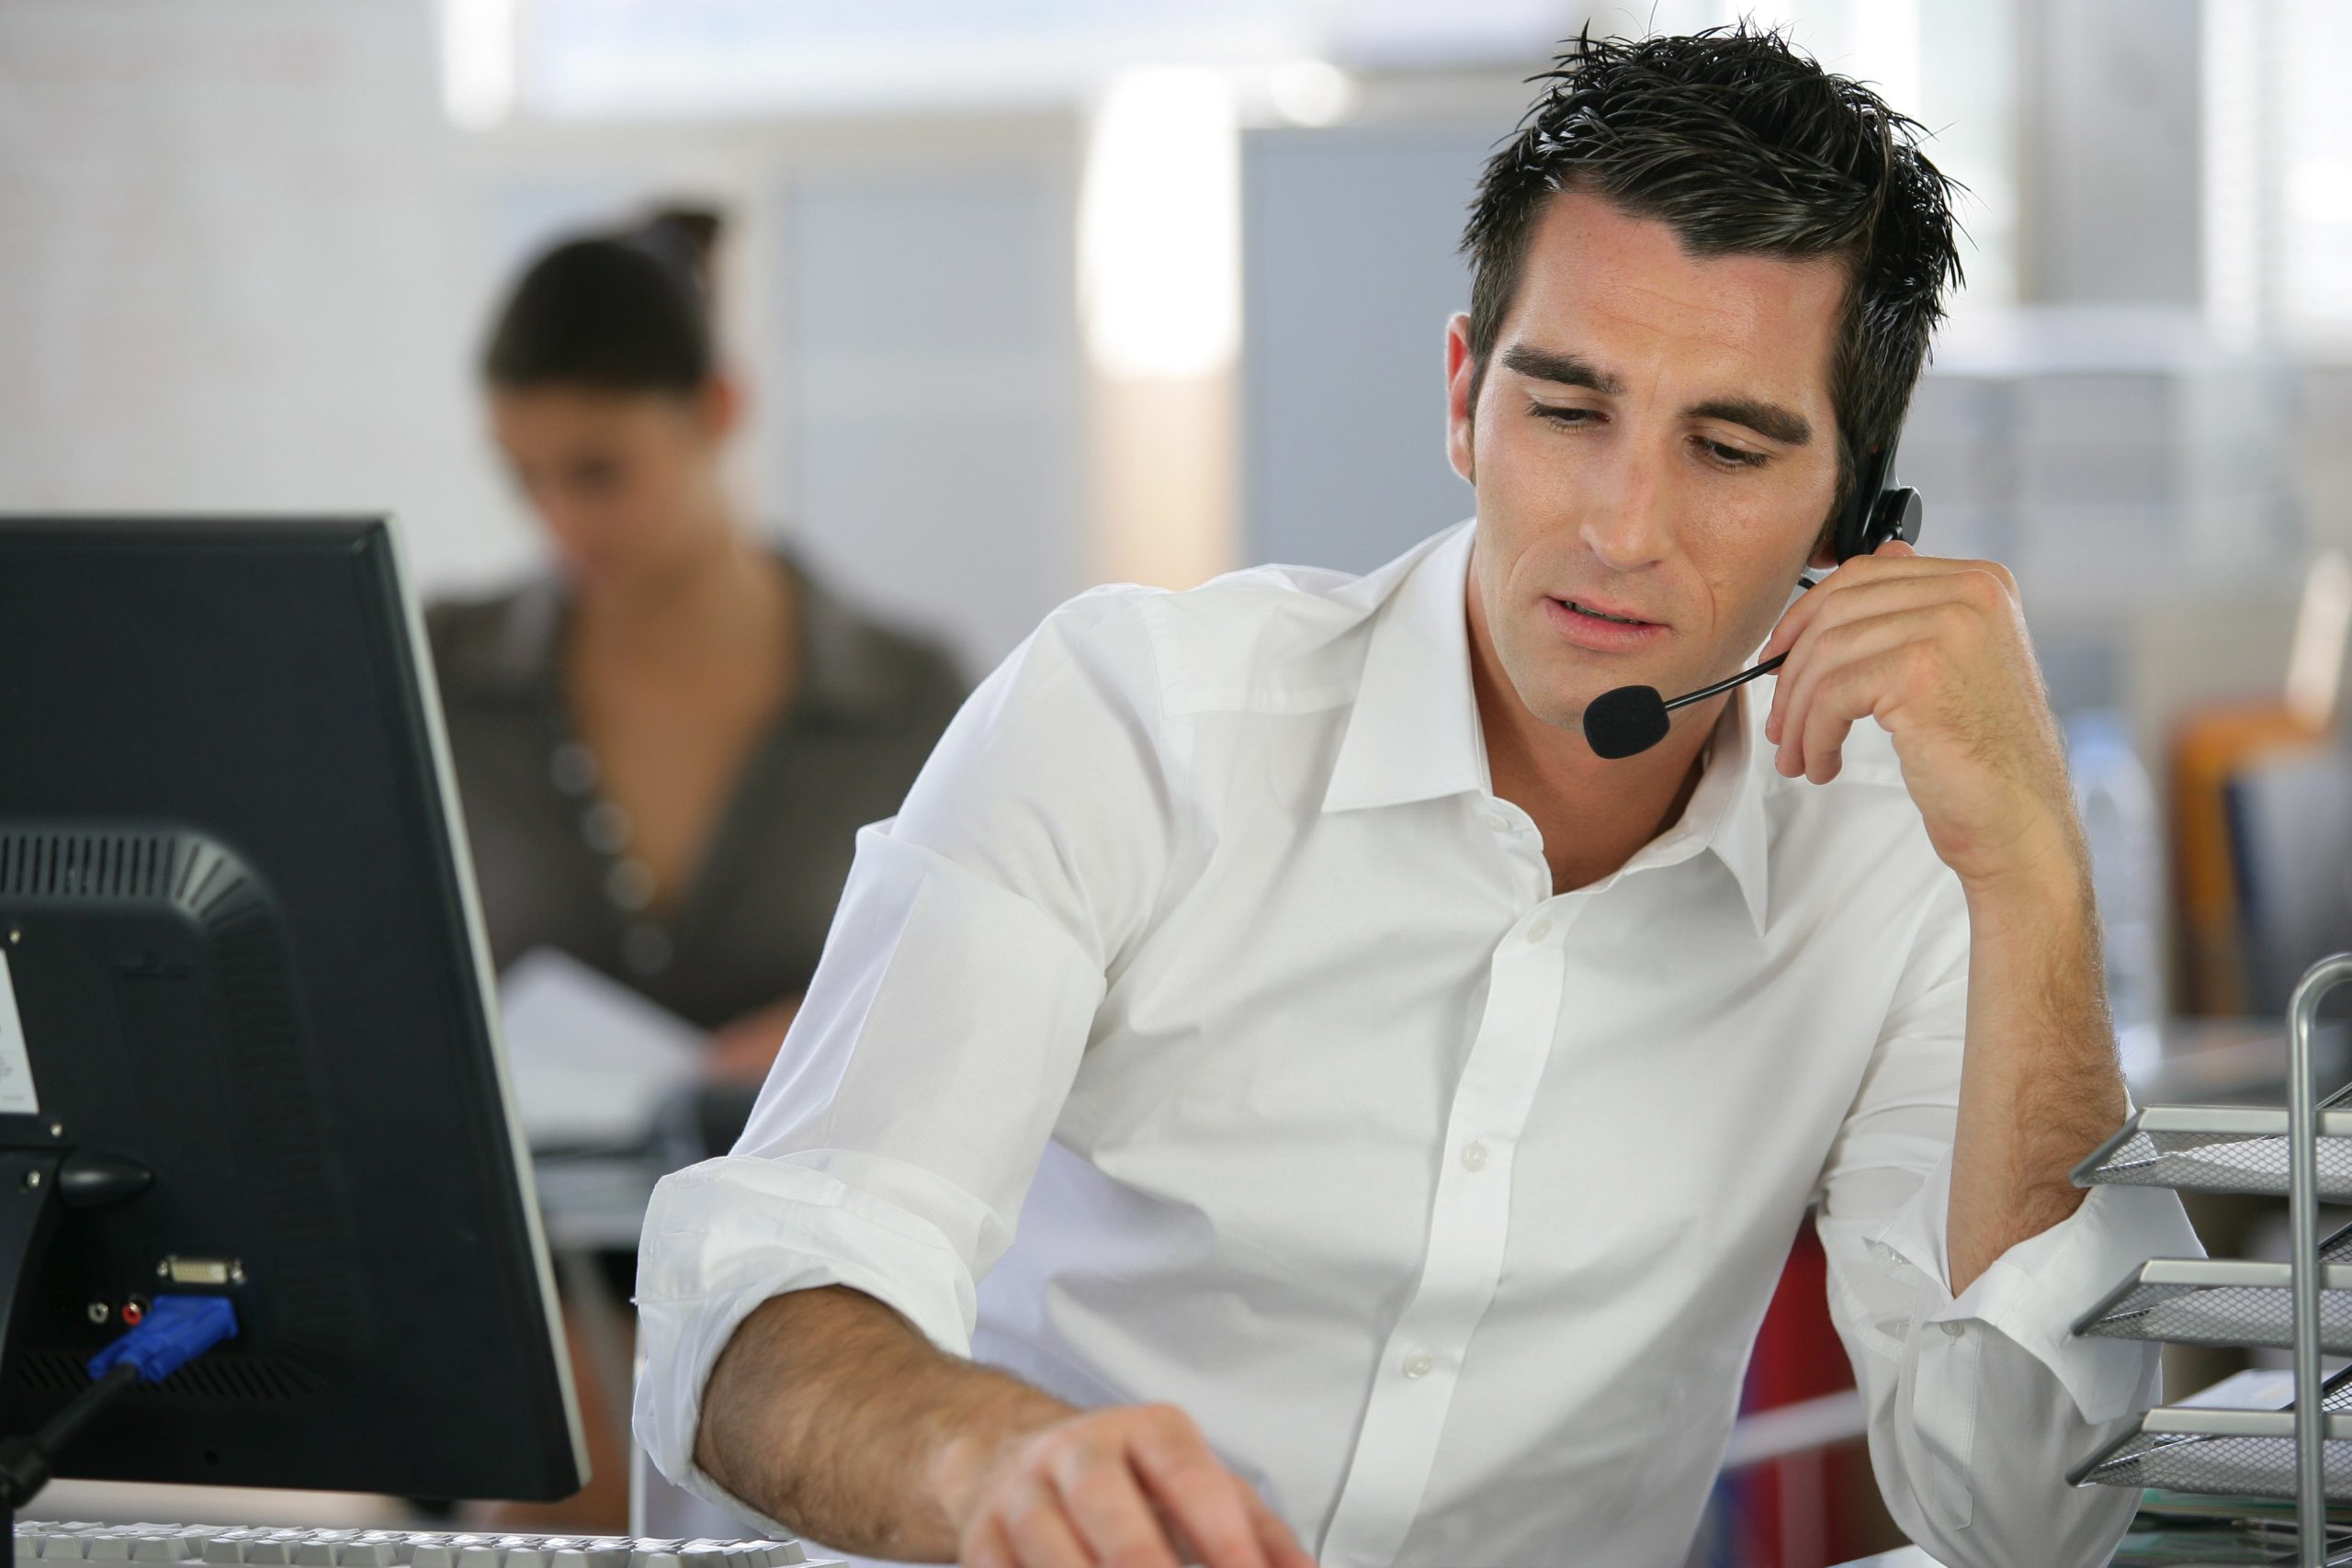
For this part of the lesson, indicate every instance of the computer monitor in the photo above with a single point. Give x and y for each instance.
(245, 1039)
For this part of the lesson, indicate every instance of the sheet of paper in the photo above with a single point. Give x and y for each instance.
(592, 1060)
(16, 1092)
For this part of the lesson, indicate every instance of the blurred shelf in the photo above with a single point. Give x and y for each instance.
(2217, 1148)
(2206, 1302)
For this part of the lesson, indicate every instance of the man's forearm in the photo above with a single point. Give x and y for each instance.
(2039, 1087)
(829, 1411)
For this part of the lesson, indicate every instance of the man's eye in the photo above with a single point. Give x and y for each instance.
(1563, 416)
(1732, 457)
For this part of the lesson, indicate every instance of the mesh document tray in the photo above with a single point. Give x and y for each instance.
(2217, 1148)
(2181, 1301)
(2248, 1454)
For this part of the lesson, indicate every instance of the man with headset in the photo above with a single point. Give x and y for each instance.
(1275, 1081)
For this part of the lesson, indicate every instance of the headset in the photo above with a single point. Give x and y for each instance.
(1879, 510)
(1630, 719)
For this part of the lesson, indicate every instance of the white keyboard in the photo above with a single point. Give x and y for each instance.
(269, 1548)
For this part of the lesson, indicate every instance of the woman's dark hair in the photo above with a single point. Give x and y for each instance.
(1743, 146)
(620, 312)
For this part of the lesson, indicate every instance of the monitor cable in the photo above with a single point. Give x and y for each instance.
(176, 1330)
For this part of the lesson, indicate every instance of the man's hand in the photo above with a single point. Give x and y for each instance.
(1127, 1487)
(1936, 650)
(830, 1411)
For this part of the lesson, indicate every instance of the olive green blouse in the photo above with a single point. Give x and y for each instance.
(552, 856)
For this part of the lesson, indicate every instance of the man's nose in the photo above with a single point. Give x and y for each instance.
(1626, 523)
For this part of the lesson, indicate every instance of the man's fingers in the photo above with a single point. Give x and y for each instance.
(1890, 596)
(1193, 1487)
(1108, 1506)
(1846, 695)
(1862, 571)
(1281, 1547)
(1826, 654)
(1866, 572)
(1041, 1533)
(987, 1546)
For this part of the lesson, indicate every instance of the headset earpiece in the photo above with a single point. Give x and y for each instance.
(1880, 510)
(1897, 515)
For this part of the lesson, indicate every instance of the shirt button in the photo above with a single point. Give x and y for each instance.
(1541, 928)
(572, 767)
(646, 949)
(1418, 1364)
(629, 885)
(1497, 821)
(1474, 1156)
(605, 827)
(1954, 1330)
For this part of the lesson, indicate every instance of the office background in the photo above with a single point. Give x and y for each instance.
(1032, 295)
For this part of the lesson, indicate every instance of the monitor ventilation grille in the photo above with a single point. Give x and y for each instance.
(228, 1379)
(96, 865)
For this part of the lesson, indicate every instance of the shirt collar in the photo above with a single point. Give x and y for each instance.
(1413, 734)
(1726, 813)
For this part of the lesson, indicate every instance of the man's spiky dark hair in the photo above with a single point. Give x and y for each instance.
(1743, 146)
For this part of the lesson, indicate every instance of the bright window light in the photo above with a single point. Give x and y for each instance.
(479, 43)
(1886, 49)
(1160, 225)
(1310, 92)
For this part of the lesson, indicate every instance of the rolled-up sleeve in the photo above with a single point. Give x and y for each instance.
(1978, 1404)
(896, 1137)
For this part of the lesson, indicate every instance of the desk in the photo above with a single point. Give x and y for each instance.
(590, 1204)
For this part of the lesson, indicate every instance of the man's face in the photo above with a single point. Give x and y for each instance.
(1654, 440)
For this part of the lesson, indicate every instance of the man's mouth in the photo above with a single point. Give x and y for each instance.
(1605, 616)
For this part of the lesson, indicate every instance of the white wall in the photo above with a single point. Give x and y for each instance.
(246, 263)
(233, 270)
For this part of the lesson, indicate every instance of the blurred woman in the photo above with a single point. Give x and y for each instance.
(666, 744)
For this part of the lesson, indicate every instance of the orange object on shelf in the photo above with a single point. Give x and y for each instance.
(2211, 747)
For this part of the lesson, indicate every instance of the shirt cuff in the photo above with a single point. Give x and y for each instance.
(725, 1235)
(2035, 1292)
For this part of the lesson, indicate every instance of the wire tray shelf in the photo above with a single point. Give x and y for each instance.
(2202, 1302)
(2248, 1454)
(2215, 1149)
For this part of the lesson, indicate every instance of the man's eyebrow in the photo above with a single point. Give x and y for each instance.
(1769, 419)
(1567, 370)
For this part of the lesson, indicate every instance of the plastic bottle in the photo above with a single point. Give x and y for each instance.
(2121, 823)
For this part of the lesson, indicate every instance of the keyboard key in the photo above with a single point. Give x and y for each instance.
(600, 1553)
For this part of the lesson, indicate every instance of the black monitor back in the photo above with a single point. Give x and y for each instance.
(238, 929)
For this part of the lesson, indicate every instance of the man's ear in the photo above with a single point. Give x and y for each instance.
(719, 405)
(1459, 374)
(1825, 549)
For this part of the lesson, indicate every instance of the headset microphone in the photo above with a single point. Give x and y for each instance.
(1630, 719)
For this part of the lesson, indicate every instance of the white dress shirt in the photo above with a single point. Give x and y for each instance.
(1206, 1030)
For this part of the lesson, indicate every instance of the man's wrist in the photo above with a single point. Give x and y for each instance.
(980, 1443)
(2047, 880)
